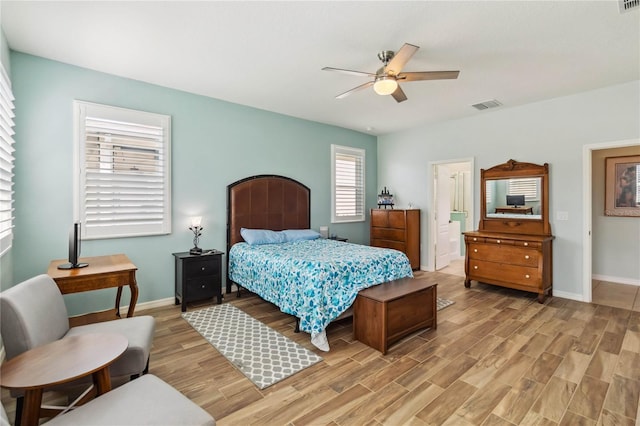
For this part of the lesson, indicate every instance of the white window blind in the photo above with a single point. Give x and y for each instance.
(638, 185)
(124, 172)
(6, 162)
(488, 193)
(527, 187)
(348, 174)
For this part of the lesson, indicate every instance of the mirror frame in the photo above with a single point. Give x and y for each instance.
(513, 169)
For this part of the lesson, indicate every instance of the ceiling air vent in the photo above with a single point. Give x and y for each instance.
(488, 104)
(628, 5)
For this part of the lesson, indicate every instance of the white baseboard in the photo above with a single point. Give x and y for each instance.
(148, 305)
(617, 280)
(566, 295)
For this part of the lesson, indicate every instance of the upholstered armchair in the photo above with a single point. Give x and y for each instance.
(33, 313)
(144, 401)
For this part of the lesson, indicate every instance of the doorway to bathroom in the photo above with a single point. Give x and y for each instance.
(452, 212)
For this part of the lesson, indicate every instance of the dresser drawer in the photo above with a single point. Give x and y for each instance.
(530, 244)
(504, 254)
(388, 219)
(204, 267)
(502, 272)
(387, 234)
(469, 239)
(396, 245)
(499, 241)
(397, 219)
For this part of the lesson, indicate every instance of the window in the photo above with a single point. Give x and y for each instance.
(6, 162)
(122, 171)
(530, 188)
(347, 184)
(638, 184)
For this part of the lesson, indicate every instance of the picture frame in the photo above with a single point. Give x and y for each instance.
(385, 199)
(621, 186)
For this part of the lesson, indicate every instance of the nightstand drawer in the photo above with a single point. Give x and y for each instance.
(200, 288)
(204, 267)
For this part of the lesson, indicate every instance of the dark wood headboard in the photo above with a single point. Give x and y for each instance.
(266, 202)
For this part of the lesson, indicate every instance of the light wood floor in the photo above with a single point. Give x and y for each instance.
(603, 292)
(497, 358)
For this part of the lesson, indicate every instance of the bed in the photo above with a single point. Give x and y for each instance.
(316, 280)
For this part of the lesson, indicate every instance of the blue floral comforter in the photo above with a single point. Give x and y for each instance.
(315, 280)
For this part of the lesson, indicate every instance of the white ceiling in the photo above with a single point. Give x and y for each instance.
(269, 55)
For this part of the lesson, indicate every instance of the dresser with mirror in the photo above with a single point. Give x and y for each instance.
(513, 244)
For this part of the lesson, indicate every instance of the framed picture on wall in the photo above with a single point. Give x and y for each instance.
(622, 186)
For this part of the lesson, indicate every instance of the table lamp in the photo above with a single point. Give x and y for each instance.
(197, 232)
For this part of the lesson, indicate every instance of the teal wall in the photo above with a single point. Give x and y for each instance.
(214, 143)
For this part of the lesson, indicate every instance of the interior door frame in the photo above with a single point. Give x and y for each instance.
(431, 226)
(442, 184)
(587, 190)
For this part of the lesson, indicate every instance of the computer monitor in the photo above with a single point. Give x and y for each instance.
(75, 239)
(515, 200)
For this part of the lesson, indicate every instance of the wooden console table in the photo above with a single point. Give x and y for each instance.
(59, 362)
(514, 210)
(115, 270)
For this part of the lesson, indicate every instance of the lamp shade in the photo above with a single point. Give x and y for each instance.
(196, 221)
(385, 85)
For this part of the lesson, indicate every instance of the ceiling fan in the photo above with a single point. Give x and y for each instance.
(385, 80)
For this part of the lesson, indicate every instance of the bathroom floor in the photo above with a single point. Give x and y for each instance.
(618, 295)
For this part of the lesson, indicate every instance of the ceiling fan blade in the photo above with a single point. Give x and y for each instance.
(355, 89)
(350, 72)
(400, 59)
(399, 95)
(428, 75)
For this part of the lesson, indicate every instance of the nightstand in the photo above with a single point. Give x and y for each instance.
(198, 277)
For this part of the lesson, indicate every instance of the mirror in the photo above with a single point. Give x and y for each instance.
(517, 198)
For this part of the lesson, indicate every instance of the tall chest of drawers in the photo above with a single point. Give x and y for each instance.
(516, 261)
(399, 230)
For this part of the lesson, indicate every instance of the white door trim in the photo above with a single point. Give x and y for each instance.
(587, 153)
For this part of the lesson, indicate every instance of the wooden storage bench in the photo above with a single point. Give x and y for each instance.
(385, 313)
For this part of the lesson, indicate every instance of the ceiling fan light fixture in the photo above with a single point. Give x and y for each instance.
(385, 85)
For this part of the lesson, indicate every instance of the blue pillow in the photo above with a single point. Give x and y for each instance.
(300, 234)
(262, 236)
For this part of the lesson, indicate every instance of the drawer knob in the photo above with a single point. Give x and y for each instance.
(475, 239)
(475, 267)
(526, 256)
(527, 276)
(202, 286)
(526, 244)
(203, 268)
(498, 241)
(475, 250)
